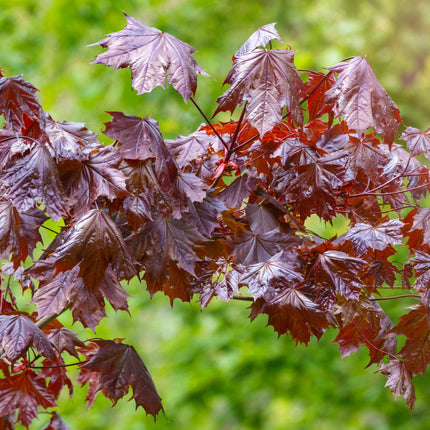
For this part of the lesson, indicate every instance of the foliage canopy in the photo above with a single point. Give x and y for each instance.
(218, 213)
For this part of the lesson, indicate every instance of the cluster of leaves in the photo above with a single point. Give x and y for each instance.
(219, 213)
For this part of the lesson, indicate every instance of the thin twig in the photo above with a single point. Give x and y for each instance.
(59, 365)
(394, 297)
(243, 298)
(50, 229)
(371, 344)
(209, 123)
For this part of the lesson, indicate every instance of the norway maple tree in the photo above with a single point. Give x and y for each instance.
(218, 213)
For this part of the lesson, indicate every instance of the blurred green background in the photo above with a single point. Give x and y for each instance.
(213, 369)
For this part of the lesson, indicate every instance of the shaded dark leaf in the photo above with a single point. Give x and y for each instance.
(118, 367)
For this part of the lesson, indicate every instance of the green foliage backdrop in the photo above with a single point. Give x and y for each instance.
(214, 369)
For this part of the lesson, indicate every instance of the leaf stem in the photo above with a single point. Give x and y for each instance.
(243, 298)
(394, 297)
(77, 363)
(371, 344)
(209, 123)
(50, 229)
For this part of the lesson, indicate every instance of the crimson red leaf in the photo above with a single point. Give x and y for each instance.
(151, 56)
(261, 37)
(119, 367)
(24, 391)
(316, 87)
(399, 380)
(17, 98)
(18, 333)
(360, 99)
(268, 81)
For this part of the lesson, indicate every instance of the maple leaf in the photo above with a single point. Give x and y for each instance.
(340, 273)
(18, 99)
(268, 81)
(85, 299)
(265, 276)
(118, 367)
(19, 232)
(234, 194)
(416, 327)
(315, 184)
(360, 99)
(399, 380)
(24, 391)
(165, 239)
(35, 177)
(93, 243)
(365, 323)
(151, 55)
(251, 248)
(84, 181)
(70, 140)
(141, 139)
(365, 236)
(294, 312)
(261, 37)
(187, 149)
(417, 141)
(316, 87)
(64, 339)
(18, 333)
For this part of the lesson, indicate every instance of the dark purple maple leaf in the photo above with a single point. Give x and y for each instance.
(18, 99)
(366, 236)
(70, 140)
(35, 177)
(261, 37)
(116, 367)
(18, 333)
(268, 81)
(151, 55)
(64, 339)
(97, 175)
(360, 99)
(266, 276)
(417, 141)
(19, 232)
(94, 243)
(294, 312)
(24, 391)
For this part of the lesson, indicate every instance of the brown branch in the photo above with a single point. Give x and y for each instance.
(243, 298)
